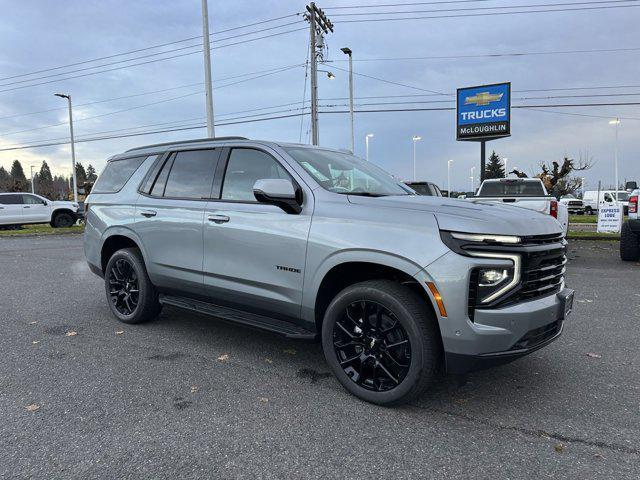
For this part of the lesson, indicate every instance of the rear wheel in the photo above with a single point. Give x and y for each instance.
(131, 295)
(63, 220)
(629, 244)
(381, 341)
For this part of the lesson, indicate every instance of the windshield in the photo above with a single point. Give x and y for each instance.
(346, 174)
(623, 196)
(511, 188)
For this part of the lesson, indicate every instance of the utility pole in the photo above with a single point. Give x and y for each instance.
(318, 23)
(366, 145)
(416, 138)
(616, 122)
(33, 188)
(449, 162)
(73, 148)
(208, 91)
(348, 51)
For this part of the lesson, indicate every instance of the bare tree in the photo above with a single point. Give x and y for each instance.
(557, 176)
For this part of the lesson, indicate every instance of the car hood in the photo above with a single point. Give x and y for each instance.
(470, 216)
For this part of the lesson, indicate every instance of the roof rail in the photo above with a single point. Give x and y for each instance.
(182, 142)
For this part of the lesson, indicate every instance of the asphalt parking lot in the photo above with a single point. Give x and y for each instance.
(191, 397)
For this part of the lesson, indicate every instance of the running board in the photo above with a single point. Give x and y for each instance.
(261, 322)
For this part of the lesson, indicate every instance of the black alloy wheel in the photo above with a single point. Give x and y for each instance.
(371, 345)
(124, 291)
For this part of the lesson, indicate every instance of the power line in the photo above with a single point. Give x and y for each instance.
(404, 4)
(493, 55)
(499, 7)
(391, 82)
(489, 14)
(152, 103)
(150, 61)
(150, 47)
(84, 69)
(95, 139)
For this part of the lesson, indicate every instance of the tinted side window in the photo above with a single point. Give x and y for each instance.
(191, 174)
(31, 200)
(244, 168)
(116, 174)
(10, 199)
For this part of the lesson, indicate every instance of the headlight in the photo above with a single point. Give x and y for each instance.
(491, 283)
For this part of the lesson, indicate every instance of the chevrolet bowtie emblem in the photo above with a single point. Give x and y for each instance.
(483, 98)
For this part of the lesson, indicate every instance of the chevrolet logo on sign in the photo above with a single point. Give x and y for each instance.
(483, 98)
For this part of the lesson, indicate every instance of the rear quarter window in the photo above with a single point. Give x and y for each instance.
(116, 174)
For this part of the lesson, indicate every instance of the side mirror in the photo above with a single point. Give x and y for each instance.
(44, 202)
(279, 192)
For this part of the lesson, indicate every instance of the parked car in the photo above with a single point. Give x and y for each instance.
(529, 193)
(27, 208)
(630, 235)
(315, 243)
(425, 188)
(607, 198)
(575, 206)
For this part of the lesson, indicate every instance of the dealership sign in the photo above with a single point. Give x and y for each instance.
(484, 112)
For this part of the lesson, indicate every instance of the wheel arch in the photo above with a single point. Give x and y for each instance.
(346, 269)
(116, 239)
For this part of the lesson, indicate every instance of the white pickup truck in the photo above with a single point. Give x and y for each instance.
(528, 193)
(26, 208)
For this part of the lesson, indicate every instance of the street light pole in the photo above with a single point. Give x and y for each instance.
(616, 122)
(208, 90)
(449, 162)
(33, 188)
(415, 139)
(73, 148)
(366, 144)
(348, 51)
(473, 179)
(506, 170)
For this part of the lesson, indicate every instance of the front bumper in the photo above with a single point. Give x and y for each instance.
(510, 333)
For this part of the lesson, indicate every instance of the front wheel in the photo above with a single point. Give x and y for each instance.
(381, 341)
(131, 295)
(589, 211)
(63, 220)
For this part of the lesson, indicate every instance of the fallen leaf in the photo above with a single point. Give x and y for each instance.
(35, 342)
(594, 355)
(119, 332)
(268, 360)
(32, 407)
(599, 456)
(559, 448)
(71, 333)
(290, 351)
(194, 389)
(224, 357)
(263, 399)
(32, 323)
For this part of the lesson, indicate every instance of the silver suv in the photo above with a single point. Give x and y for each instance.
(314, 243)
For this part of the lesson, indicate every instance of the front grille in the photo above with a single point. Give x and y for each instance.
(575, 204)
(542, 239)
(538, 335)
(542, 274)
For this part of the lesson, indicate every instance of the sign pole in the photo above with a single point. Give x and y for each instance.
(483, 156)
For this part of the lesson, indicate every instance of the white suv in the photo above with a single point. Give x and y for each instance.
(630, 237)
(25, 208)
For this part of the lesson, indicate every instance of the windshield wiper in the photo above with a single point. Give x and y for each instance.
(366, 194)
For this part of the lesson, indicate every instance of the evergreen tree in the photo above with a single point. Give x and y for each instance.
(494, 168)
(81, 174)
(91, 174)
(45, 181)
(17, 173)
(5, 178)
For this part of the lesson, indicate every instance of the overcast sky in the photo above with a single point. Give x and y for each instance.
(38, 35)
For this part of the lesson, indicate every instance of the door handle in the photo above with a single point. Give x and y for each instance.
(218, 218)
(26, 206)
(148, 213)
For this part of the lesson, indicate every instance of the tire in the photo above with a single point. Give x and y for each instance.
(588, 210)
(124, 272)
(412, 320)
(629, 244)
(63, 220)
